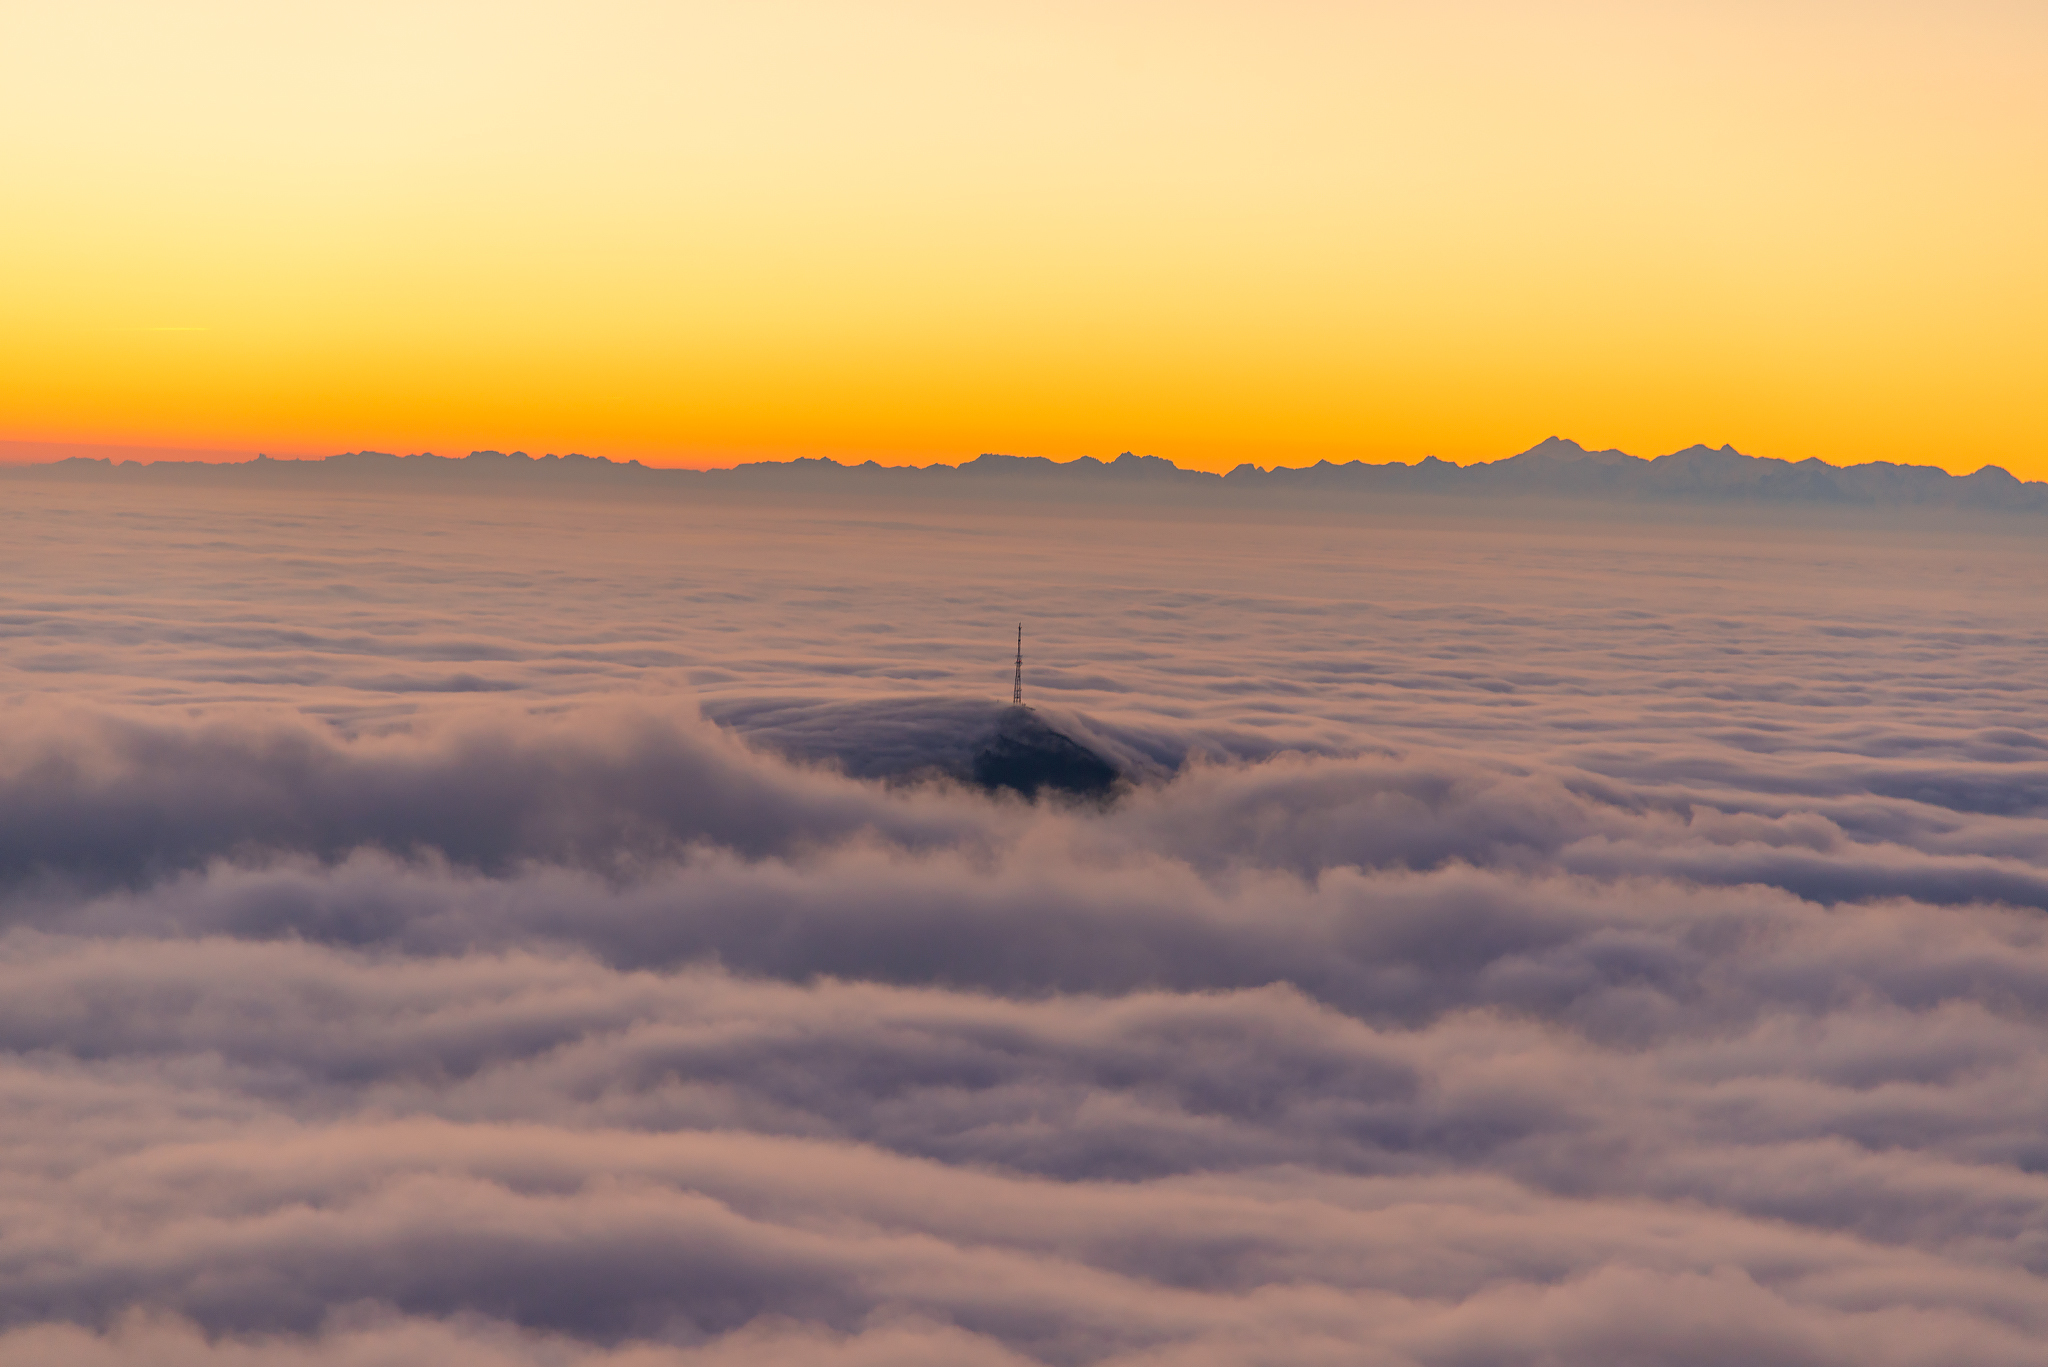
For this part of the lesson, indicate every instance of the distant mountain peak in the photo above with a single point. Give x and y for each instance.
(1556, 448)
(1700, 449)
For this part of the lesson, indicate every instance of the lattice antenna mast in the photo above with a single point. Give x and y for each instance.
(1017, 688)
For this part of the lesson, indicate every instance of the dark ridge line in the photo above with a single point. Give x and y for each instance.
(1555, 468)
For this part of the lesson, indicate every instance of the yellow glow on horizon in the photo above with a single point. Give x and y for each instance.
(695, 234)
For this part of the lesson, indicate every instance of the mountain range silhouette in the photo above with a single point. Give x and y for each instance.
(1553, 468)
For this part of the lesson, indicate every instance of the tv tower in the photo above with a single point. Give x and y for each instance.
(1017, 688)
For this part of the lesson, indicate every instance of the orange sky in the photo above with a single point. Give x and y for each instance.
(1211, 231)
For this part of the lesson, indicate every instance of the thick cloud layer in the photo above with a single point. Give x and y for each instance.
(1523, 945)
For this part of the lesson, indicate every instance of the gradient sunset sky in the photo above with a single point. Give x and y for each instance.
(1216, 232)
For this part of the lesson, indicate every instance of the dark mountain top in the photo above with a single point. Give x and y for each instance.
(1553, 468)
(970, 739)
(1027, 756)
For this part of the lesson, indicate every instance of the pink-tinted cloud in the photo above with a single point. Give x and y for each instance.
(1512, 946)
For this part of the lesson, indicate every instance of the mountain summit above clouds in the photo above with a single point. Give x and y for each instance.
(1555, 467)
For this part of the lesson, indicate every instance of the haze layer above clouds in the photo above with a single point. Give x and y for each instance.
(487, 930)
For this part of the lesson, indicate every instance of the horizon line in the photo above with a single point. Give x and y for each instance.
(139, 454)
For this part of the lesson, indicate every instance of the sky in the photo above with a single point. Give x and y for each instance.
(512, 931)
(1217, 232)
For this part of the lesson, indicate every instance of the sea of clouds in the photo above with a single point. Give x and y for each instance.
(491, 930)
